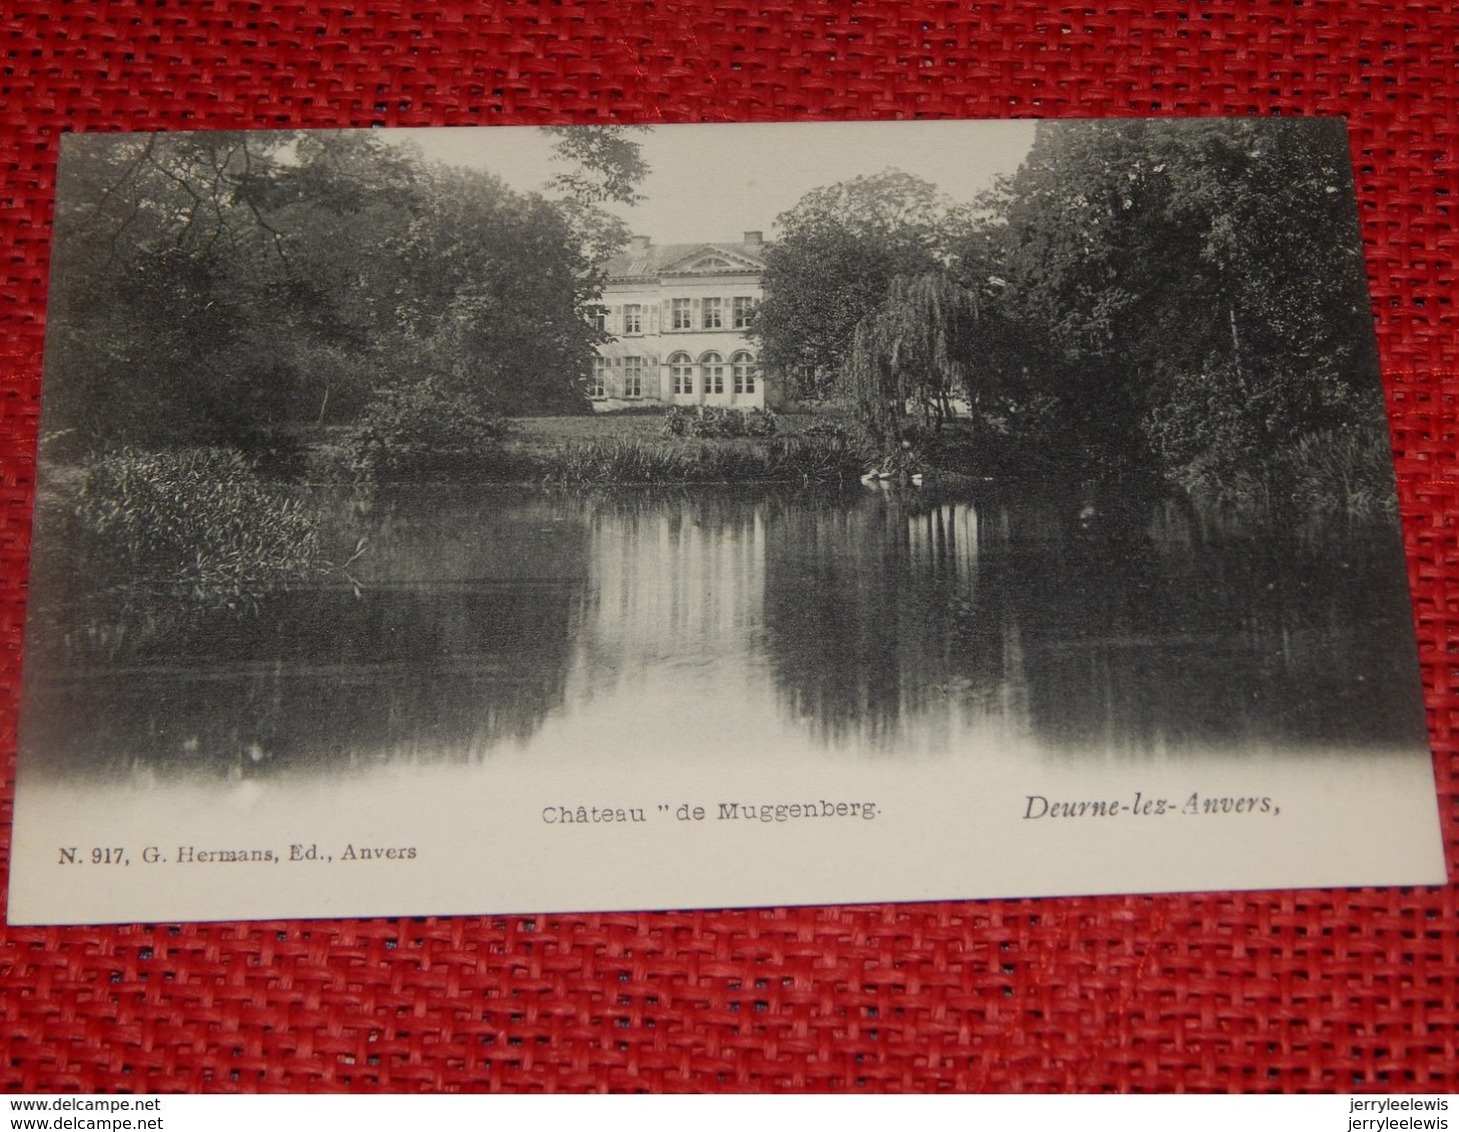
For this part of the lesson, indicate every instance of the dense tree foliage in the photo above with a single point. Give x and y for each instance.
(251, 286)
(839, 250)
(1184, 297)
(914, 351)
(600, 165)
(1199, 285)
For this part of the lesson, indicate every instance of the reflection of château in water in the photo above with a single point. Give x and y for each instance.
(679, 574)
(839, 607)
(837, 611)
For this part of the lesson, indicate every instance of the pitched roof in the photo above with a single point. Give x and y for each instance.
(656, 258)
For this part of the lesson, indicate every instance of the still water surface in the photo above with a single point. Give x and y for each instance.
(869, 624)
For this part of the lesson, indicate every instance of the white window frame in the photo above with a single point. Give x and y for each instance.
(681, 371)
(742, 366)
(633, 368)
(712, 365)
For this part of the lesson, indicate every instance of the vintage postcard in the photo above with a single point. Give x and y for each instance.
(517, 520)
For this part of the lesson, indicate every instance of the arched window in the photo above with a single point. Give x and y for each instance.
(743, 367)
(681, 373)
(713, 366)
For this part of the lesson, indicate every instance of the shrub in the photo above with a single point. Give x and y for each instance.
(677, 421)
(779, 460)
(761, 422)
(1205, 431)
(829, 431)
(712, 422)
(198, 521)
(1344, 474)
(1347, 472)
(419, 431)
(716, 421)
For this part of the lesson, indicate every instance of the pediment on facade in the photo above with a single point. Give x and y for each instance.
(710, 259)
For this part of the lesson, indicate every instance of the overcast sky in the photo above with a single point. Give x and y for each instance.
(714, 182)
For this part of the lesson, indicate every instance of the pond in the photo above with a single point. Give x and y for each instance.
(672, 625)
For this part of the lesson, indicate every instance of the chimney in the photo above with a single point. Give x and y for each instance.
(638, 244)
(754, 239)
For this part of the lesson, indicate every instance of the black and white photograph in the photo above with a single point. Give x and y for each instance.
(593, 518)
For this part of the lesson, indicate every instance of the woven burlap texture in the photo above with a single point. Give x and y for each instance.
(1346, 990)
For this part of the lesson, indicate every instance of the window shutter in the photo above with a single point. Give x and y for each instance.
(615, 320)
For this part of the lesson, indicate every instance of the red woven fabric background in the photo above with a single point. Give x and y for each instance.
(1347, 990)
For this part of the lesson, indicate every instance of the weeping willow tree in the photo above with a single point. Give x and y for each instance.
(911, 354)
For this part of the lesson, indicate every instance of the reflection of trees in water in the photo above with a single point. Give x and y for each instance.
(898, 618)
(1126, 629)
(1168, 636)
(874, 619)
(460, 639)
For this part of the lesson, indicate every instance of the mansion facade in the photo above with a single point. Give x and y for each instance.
(680, 316)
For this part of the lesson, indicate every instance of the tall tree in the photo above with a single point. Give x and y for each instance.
(838, 251)
(498, 291)
(246, 287)
(1185, 272)
(602, 165)
(164, 256)
(915, 350)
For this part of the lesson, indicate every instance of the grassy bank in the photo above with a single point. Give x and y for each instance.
(209, 525)
(632, 449)
(778, 460)
(608, 448)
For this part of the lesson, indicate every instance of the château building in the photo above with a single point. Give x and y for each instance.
(680, 316)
